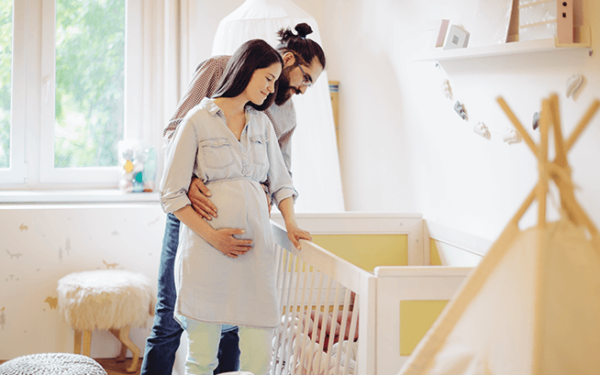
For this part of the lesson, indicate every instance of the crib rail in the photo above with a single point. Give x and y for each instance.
(321, 296)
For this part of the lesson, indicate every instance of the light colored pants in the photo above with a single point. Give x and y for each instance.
(203, 347)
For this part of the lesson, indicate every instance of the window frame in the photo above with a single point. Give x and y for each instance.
(17, 171)
(33, 101)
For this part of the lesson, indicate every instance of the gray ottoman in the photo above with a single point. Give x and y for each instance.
(52, 364)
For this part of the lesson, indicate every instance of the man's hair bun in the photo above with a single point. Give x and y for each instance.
(303, 29)
(304, 49)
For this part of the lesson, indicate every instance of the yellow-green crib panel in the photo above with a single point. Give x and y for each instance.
(416, 317)
(434, 254)
(367, 251)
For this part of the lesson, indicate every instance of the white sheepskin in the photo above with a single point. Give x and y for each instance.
(105, 299)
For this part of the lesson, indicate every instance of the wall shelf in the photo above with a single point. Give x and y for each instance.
(506, 49)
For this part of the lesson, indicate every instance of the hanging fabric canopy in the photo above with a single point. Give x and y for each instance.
(532, 304)
(315, 161)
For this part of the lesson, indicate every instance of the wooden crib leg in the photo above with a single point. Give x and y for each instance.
(77, 342)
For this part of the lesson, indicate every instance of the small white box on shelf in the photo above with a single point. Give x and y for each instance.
(457, 37)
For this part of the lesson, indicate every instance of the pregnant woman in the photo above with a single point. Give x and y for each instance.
(225, 275)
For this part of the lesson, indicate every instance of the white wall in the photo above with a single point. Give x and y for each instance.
(403, 148)
(41, 244)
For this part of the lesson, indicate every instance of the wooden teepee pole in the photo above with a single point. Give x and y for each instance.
(542, 156)
(541, 194)
(517, 125)
(582, 124)
(561, 171)
(532, 146)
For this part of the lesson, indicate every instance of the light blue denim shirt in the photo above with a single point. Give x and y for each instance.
(212, 287)
(220, 156)
(203, 85)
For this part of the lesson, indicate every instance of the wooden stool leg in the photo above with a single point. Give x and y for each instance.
(77, 342)
(122, 354)
(135, 351)
(87, 343)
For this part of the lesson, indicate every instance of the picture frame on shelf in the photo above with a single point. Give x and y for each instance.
(440, 27)
(456, 37)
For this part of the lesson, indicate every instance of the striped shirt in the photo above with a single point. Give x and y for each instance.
(204, 84)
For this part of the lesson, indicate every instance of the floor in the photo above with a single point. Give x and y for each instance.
(113, 367)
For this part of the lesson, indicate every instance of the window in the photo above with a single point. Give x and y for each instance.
(62, 93)
(5, 81)
(89, 88)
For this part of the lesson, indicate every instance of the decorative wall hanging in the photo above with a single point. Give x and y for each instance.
(509, 135)
(574, 83)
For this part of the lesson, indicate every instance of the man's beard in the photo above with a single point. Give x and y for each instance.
(284, 90)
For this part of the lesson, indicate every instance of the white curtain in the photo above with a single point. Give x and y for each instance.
(315, 162)
(159, 67)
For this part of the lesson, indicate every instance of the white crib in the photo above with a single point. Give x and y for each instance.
(386, 301)
(382, 306)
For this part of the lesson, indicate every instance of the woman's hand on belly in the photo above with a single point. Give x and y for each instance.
(223, 240)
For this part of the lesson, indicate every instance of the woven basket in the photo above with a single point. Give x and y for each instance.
(52, 364)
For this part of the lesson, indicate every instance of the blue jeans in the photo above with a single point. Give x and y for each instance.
(163, 342)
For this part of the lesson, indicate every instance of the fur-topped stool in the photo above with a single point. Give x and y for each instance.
(111, 300)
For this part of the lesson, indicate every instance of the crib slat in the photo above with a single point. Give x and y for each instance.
(280, 338)
(291, 353)
(323, 325)
(308, 310)
(281, 274)
(280, 255)
(300, 313)
(289, 312)
(336, 308)
(353, 324)
(342, 331)
(313, 338)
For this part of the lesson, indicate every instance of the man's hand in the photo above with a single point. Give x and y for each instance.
(223, 240)
(198, 194)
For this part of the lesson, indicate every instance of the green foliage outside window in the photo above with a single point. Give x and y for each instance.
(90, 80)
(5, 79)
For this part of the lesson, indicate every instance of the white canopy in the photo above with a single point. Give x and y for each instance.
(315, 161)
(259, 19)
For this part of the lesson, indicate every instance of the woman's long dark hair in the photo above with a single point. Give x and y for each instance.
(252, 55)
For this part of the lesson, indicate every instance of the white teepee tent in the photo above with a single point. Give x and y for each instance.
(315, 161)
(532, 306)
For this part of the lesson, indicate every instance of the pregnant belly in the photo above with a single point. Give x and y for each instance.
(241, 204)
